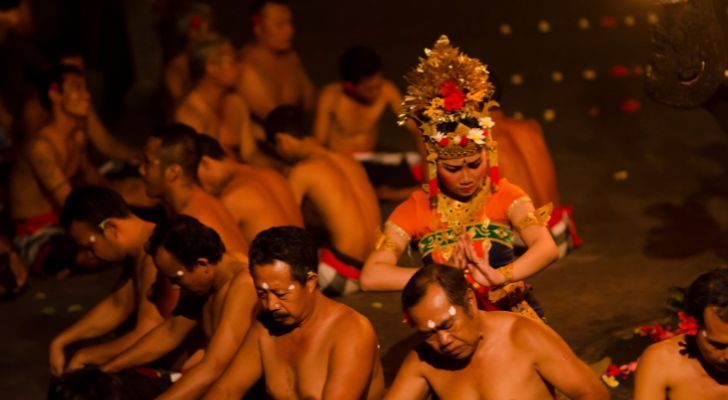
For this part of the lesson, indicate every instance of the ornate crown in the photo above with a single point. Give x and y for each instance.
(449, 96)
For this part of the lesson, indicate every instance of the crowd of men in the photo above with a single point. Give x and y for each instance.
(243, 225)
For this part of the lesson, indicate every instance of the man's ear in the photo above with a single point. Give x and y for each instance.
(472, 301)
(172, 172)
(54, 92)
(111, 229)
(311, 281)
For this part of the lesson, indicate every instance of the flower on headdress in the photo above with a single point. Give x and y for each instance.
(433, 112)
(443, 142)
(610, 381)
(437, 102)
(687, 324)
(454, 97)
(456, 139)
(437, 136)
(476, 135)
(463, 141)
(486, 122)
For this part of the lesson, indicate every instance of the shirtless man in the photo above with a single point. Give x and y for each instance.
(41, 176)
(471, 354)
(197, 19)
(691, 367)
(217, 296)
(169, 171)
(271, 73)
(339, 191)
(304, 344)
(258, 198)
(101, 222)
(211, 108)
(349, 112)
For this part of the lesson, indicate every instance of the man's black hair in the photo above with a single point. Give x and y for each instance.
(290, 244)
(86, 384)
(92, 205)
(54, 76)
(6, 5)
(209, 146)
(708, 290)
(450, 279)
(204, 48)
(256, 7)
(188, 240)
(358, 63)
(179, 146)
(285, 119)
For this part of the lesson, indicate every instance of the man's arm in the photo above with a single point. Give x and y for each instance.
(352, 361)
(160, 341)
(104, 317)
(251, 86)
(380, 270)
(147, 318)
(237, 315)
(409, 384)
(324, 110)
(308, 90)
(243, 372)
(555, 361)
(106, 142)
(650, 380)
(49, 174)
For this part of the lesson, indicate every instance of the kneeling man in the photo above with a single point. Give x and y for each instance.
(692, 366)
(306, 345)
(472, 354)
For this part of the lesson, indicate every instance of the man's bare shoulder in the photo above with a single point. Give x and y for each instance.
(349, 324)
(234, 101)
(330, 90)
(666, 352)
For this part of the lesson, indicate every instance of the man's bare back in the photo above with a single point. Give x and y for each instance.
(281, 189)
(293, 363)
(255, 205)
(349, 126)
(672, 368)
(341, 193)
(211, 212)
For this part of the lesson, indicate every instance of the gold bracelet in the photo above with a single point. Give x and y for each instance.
(507, 272)
(386, 244)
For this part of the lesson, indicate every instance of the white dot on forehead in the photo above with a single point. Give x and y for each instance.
(264, 286)
(451, 310)
(431, 324)
(291, 286)
(705, 334)
(92, 239)
(180, 273)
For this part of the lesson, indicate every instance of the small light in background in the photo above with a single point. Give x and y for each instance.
(518, 115)
(516, 80)
(505, 29)
(584, 23)
(549, 115)
(629, 20)
(557, 76)
(652, 18)
(589, 74)
(544, 26)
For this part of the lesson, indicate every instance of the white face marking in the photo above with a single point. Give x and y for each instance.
(92, 239)
(431, 324)
(180, 273)
(291, 287)
(264, 286)
(452, 310)
(705, 334)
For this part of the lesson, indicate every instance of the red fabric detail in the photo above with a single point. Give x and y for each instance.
(328, 258)
(494, 173)
(32, 225)
(195, 21)
(434, 188)
(631, 106)
(619, 71)
(608, 21)
(148, 372)
(558, 214)
(418, 172)
(481, 295)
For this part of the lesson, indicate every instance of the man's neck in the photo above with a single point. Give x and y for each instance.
(269, 53)
(314, 311)
(142, 231)
(63, 124)
(179, 196)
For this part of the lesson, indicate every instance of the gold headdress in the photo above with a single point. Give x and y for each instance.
(449, 96)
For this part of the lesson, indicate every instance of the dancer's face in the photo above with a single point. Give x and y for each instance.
(461, 177)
